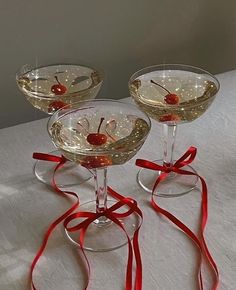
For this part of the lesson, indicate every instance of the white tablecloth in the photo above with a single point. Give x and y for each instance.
(169, 258)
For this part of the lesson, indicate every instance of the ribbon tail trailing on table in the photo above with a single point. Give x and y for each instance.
(186, 159)
(89, 217)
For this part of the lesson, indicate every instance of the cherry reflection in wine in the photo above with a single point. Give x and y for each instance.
(98, 134)
(49, 88)
(172, 94)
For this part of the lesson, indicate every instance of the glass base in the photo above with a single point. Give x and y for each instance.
(104, 235)
(173, 186)
(69, 175)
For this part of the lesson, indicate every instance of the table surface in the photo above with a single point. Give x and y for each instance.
(27, 207)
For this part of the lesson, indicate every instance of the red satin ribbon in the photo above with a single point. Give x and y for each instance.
(186, 159)
(110, 213)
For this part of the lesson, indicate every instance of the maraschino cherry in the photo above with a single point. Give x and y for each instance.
(58, 89)
(55, 105)
(170, 99)
(98, 138)
(91, 162)
(169, 118)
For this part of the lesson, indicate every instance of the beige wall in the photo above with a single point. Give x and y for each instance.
(118, 36)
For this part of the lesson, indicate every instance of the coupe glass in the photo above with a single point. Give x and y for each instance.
(98, 134)
(172, 94)
(50, 88)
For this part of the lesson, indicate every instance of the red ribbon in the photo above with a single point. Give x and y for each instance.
(186, 159)
(110, 213)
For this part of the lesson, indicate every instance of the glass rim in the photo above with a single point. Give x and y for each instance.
(176, 65)
(35, 94)
(98, 153)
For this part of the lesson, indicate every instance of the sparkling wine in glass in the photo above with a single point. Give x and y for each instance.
(98, 134)
(172, 94)
(49, 88)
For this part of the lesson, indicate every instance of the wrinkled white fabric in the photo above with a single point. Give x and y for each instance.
(27, 207)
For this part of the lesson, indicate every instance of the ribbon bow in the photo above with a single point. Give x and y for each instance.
(110, 213)
(186, 159)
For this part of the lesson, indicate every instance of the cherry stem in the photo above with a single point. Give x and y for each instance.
(82, 127)
(113, 139)
(161, 86)
(99, 127)
(57, 80)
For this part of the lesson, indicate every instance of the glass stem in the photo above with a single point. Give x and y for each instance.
(169, 133)
(100, 181)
